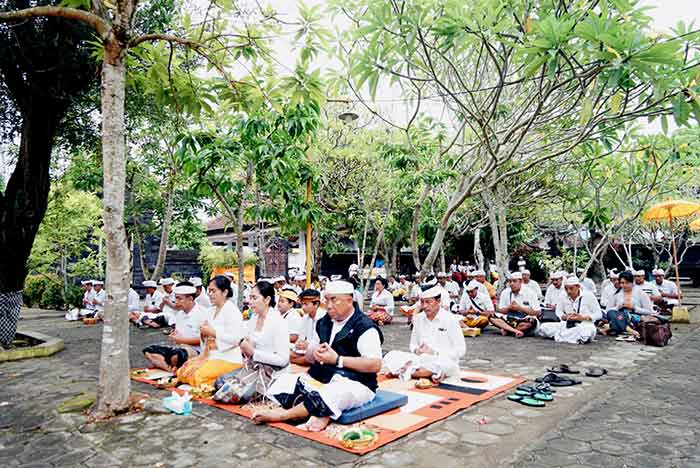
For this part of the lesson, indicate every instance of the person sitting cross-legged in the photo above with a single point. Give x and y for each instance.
(313, 312)
(437, 343)
(286, 305)
(517, 309)
(382, 303)
(475, 306)
(345, 356)
(578, 311)
(185, 337)
(667, 289)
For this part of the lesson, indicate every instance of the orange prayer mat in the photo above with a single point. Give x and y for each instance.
(424, 407)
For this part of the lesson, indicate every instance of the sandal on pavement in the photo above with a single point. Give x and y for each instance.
(527, 401)
(563, 369)
(557, 380)
(596, 372)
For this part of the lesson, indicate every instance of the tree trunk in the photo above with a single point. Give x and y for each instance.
(318, 251)
(239, 233)
(142, 255)
(442, 259)
(394, 265)
(478, 253)
(114, 386)
(165, 230)
(499, 234)
(23, 205)
(414, 227)
(259, 236)
(365, 282)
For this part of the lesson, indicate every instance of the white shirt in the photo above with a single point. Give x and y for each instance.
(308, 324)
(534, 287)
(667, 287)
(88, 296)
(607, 296)
(649, 288)
(554, 295)
(640, 301)
(203, 300)
(524, 298)
(452, 288)
(442, 334)
(393, 285)
(100, 297)
(133, 301)
(294, 321)
(481, 303)
(272, 342)
(415, 292)
(589, 285)
(154, 300)
(584, 304)
(359, 298)
(228, 324)
(368, 344)
(383, 299)
(187, 323)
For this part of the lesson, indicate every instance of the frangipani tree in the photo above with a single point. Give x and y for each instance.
(523, 81)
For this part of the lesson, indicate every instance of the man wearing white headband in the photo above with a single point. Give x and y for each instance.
(518, 309)
(480, 276)
(586, 282)
(152, 305)
(533, 286)
(475, 306)
(607, 295)
(87, 308)
(667, 289)
(88, 296)
(555, 290)
(345, 355)
(163, 313)
(185, 336)
(202, 298)
(648, 287)
(437, 343)
(98, 301)
(578, 311)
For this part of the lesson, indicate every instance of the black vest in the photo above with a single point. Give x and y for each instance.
(345, 344)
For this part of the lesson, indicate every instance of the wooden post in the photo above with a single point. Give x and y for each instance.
(675, 256)
(308, 225)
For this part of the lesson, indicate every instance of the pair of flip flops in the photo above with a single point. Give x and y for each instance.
(592, 372)
(556, 380)
(532, 395)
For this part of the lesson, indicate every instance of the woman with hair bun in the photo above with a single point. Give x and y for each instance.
(220, 334)
(265, 350)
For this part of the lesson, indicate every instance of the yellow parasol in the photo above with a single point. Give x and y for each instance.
(667, 211)
(695, 225)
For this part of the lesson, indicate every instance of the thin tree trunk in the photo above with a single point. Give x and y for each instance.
(259, 237)
(361, 252)
(239, 233)
(318, 251)
(380, 239)
(478, 253)
(165, 231)
(414, 227)
(497, 221)
(442, 259)
(142, 255)
(114, 384)
(394, 265)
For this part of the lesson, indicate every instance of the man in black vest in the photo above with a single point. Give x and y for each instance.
(345, 356)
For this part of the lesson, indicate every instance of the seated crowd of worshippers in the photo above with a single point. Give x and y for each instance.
(324, 327)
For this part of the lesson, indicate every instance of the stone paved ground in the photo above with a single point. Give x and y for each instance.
(644, 413)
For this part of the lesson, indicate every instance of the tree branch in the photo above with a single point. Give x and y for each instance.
(90, 19)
